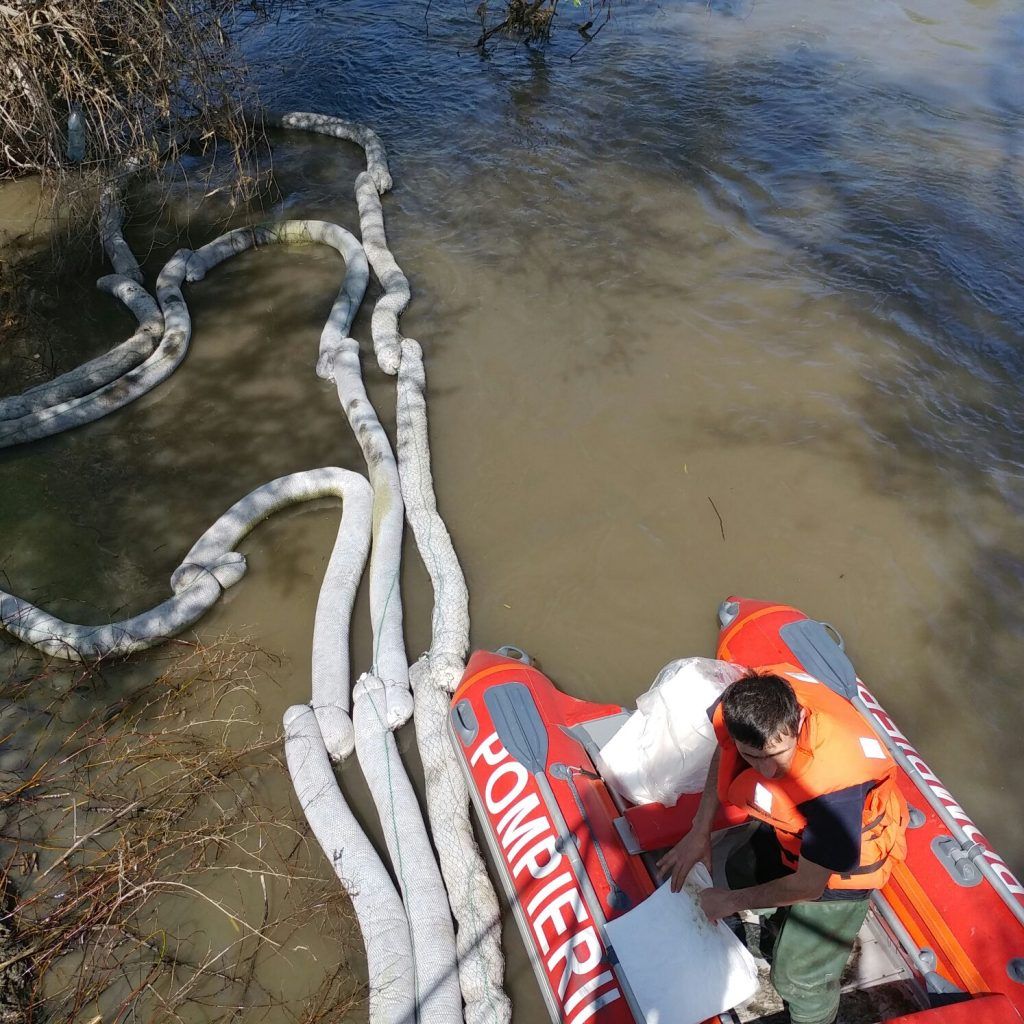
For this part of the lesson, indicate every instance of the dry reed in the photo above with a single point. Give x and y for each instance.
(147, 878)
(142, 74)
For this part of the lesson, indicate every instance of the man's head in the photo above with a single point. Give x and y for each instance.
(763, 717)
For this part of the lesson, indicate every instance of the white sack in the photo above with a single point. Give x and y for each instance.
(681, 968)
(665, 747)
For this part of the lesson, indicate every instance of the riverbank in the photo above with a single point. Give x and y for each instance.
(153, 861)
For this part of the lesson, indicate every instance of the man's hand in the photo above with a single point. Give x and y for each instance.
(717, 903)
(806, 883)
(694, 847)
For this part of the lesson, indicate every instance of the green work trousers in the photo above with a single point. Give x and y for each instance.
(813, 940)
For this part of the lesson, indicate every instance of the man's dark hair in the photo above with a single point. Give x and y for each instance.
(758, 708)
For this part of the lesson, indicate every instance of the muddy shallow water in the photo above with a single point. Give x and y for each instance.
(749, 260)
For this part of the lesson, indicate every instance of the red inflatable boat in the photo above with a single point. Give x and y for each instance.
(944, 943)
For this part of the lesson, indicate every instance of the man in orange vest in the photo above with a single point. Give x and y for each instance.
(801, 760)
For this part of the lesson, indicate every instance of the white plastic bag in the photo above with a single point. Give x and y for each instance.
(665, 747)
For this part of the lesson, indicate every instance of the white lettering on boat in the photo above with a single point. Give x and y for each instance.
(551, 887)
(553, 914)
(515, 831)
(574, 964)
(491, 750)
(584, 990)
(532, 859)
(934, 784)
(520, 776)
(557, 911)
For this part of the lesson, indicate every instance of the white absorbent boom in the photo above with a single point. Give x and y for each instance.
(422, 968)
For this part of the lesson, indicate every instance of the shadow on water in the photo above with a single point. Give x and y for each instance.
(154, 476)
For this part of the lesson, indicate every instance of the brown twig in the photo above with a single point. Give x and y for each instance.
(721, 525)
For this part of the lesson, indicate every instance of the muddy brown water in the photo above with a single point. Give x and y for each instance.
(754, 261)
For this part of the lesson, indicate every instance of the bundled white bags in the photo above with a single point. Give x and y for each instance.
(665, 747)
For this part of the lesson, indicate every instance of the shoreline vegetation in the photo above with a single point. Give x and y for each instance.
(98, 93)
(147, 864)
(122, 85)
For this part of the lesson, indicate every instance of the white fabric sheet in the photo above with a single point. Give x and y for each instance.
(681, 968)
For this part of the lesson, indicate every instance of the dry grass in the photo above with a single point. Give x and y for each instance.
(144, 75)
(149, 78)
(147, 877)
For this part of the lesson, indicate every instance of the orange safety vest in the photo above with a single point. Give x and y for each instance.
(836, 748)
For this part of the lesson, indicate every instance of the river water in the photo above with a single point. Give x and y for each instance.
(762, 261)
